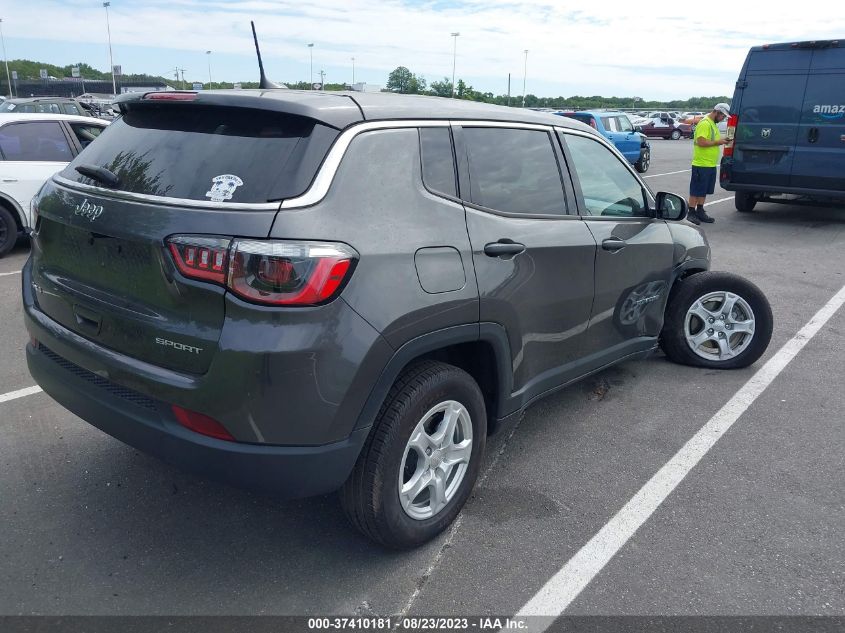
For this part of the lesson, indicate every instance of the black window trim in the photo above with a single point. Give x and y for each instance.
(440, 194)
(465, 179)
(579, 194)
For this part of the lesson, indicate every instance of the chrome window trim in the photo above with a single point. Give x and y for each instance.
(325, 175)
(162, 200)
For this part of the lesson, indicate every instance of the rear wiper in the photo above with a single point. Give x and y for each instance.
(100, 174)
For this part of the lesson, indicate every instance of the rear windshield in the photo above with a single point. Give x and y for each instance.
(209, 153)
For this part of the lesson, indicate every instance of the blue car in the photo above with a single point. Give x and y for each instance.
(618, 129)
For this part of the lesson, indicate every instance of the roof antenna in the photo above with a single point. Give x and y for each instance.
(263, 83)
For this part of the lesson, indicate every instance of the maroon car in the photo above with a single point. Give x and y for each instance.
(668, 129)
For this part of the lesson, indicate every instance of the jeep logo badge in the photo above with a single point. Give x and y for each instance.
(88, 210)
(766, 132)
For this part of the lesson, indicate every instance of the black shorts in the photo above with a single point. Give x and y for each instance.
(702, 181)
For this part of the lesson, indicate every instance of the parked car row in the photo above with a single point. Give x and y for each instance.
(618, 129)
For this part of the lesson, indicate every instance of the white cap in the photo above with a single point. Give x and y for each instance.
(724, 108)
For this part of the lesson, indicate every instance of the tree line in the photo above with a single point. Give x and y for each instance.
(400, 80)
(403, 81)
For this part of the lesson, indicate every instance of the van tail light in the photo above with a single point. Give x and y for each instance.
(201, 257)
(271, 272)
(733, 121)
(289, 273)
(201, 423)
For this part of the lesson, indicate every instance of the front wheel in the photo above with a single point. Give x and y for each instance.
(676, 134)
(421, 460)
(643, 163)
(717, 320)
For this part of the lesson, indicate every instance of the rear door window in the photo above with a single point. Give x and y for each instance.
(209, 153)
(71, 109)
(35, 141)
(514, 171)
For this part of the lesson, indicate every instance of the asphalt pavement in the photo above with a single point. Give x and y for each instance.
(91, 526)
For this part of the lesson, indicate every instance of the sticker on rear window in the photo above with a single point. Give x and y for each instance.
(223, 187)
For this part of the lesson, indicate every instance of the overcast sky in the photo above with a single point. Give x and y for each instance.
(685, 48)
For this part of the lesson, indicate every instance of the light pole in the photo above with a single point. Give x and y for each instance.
(454, 59)
(311, 52)
(208, 53)
(106, 5)
(353, 71)
(6, 59)
(524, 76)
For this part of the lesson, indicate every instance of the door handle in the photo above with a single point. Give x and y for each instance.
(10, 180)
(503, 249)
(613, 244)
(813, 135)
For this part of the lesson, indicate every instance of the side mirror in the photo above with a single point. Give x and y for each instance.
(670, 206)
(638, 128)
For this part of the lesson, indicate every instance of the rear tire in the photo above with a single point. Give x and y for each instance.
(676, 134)
(8, 231)
(744, 201)
(716, 320)
(410, 442)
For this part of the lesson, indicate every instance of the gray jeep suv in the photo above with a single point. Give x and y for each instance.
(306, 291)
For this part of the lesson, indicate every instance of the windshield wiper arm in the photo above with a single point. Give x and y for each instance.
(100, 174)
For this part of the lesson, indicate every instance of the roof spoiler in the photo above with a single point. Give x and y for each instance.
(263, 82)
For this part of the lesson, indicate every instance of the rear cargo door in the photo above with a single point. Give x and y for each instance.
(820, 149)
(771, 98)
(101, 262)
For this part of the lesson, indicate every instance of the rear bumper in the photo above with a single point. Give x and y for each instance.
(290, 471)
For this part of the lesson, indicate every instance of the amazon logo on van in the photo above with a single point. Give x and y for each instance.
(830, 111)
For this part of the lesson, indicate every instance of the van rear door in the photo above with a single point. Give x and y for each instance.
(820, 149)
(769, 98)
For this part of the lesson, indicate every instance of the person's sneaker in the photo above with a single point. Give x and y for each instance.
(701, 214)
(692, 217)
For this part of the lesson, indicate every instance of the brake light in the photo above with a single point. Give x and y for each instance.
(200, 257)
(733, 121)
(201, 423)
(170, 96)
(289, 273)
(272, 272)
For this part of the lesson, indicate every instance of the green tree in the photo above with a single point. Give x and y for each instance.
(404, 81)
(441, 88)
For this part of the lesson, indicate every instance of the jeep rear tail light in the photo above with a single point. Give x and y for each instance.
(733, 121)
(201, 423)
(201, 257)
(289, 273)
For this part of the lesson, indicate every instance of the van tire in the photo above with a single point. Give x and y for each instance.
(371, 495)
(8, 231)
(744, 201)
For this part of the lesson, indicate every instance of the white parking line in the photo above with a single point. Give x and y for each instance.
(707, 204)
(20, 393)
(559, 592)
(14, 272)
(668, 173)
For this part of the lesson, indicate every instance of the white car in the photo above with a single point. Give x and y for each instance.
(33, 147)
